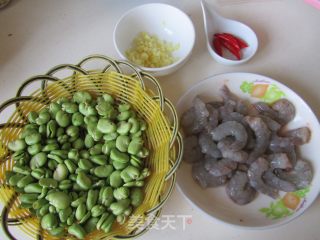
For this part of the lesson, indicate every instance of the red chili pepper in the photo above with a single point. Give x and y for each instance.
(217, 46)
(228, 38)
(241, 43)
(235, 51)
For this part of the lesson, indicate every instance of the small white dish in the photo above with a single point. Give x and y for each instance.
(264, 212)
(167, 22)
(215, 23)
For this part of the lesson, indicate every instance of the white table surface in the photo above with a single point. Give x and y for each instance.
(36, 35)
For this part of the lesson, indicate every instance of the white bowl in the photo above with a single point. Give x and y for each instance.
(167, 22)
(214, 23)
(213, 201)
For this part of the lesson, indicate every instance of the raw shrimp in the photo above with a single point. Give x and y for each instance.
(279, 160)
(192, 150)
(277, 183)
(286, 110)
(273, 125)
(239, 189)
(262, 134)
(220, 167)
(255, 173)
(237, 156)
(280, 144)
(300, 176)
(234, 129)
(213, 119)
(225, 110)
(298, 136)
(208, 146)
(243, 167)
(234, 116)
(228, 96)
(204, 178)
(264, 109)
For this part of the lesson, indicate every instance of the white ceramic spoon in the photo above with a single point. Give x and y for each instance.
(215, 23)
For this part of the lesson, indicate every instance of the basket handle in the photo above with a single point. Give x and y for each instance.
(110, 62)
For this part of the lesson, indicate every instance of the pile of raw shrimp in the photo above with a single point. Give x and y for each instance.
(245, 147)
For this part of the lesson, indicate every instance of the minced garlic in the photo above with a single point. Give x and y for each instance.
(150, 51)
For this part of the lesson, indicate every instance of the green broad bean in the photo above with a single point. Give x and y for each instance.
(60, 153)
(55, 157)
(49, 147)
(90, 225)
(73, 131)
(39, 203)
(52, 164)
(106, 126)
(108, 146)
(123, 128)
(49, 221)
(144, 174)
(25, 181)
(44, 192)
(103, 217)
(54, 108)
(48, 182)
(135, 125)
(92, 119)
(73, 177)
(63, 139)
(136, 196)
(38, 160)
(38, 173)
(85, 164)
(136, 135)
(92, 199)
(77, 119)
(78, 201)
(71, 219)
(122, 143)
(28, 197)
(57, 232)
(124, 107)
(62, 100)
(96, 149)
(107, 98)
(66, 146)
(32, 116)
(44, 209)
(64, 214)
(17, 145)
(120, 206)
(128, 211)
(52, 209)
(123, 116)
(84, 154)
(43, 130)
(134, 184)
(25, 170)
(20, 155)
(86, 109)
(107, 196)
(63, 119)
(84, 181)
(77, 231)
(106, 109)
(99, 159)
(78, 144)
(107, 224)
(117, 156)
(32, 139)
(85, 217)
(121, 193)
(43, 118)
(70, 165)
(99, 183)
(61, 172)
(97, 210)
(65, 184)
(115, 179)
(135, 146)
(103, 171)
(81, 211)
(94, 132)
(136, 162)
(81, 96)
(110, 136)
(143, 153)
(33, 188)
(73, 154)
(69, 107)
(60, 132)
(89, 141)
(51, 129)
(59, 200)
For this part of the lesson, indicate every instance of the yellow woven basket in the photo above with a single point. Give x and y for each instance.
(126, 84)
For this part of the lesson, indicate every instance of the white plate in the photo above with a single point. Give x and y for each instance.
(263, 212)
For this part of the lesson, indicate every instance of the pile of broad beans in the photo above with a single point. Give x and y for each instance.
(79, 164)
